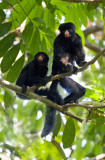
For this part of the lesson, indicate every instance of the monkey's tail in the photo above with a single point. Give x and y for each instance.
(50, 117)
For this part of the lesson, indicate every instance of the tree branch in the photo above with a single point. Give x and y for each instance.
(87, 105)
(93, 29)
(92, 46)
(57, 145)
(99, 157)
(32, 95)
(79, 1)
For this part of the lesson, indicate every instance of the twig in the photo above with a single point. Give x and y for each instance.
(90, 105)
(32, 95)
(57, 145)
(10, 5)
(99, 157)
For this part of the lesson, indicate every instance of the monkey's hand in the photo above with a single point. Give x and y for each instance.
(75, 69)
(69, 67)
(42, 81)
(48, 78)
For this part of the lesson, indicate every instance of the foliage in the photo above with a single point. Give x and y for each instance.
(26, 27)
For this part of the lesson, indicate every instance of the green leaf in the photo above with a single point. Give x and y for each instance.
(4, 28)
(34, 44)
(7, 4)
(57, 126)
(69, 133)
(92, 6)
(21, 13)
(49, 19)
(92, 94)
(9, 97)
(43, 45)
(81, 34)
(59, 3)
(27, 33)
(6, 43)
(82, 14)
(2, 135)
(46, 30)
(2, 15)
(37, 11)
(39, 20)
(15, 70)
(9, 57)
(73, 12)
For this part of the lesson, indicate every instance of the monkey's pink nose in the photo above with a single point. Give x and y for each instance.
(40, 58)
(67, 34)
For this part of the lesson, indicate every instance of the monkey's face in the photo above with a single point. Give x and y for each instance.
(67, 30)
(41, 58)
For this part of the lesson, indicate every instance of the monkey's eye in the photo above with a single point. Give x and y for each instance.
(70, 30)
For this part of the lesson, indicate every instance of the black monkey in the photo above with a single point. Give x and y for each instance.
(34, 73)
(67, 50)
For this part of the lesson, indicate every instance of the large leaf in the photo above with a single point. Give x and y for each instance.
(9, 97)
(4, 28)
(37, 11)
(49, 19)
(27, 33)
(8, 4)
(57, 125)
(6, 43)
(15, 70)
(39, 21)
(9, 58)
(92, 6)
(34, 44)
(59, 3)
(71, 13)
(2, 15)
(69, 133)
(43, 45)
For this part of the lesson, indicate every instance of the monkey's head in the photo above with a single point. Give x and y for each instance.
(67, 30)
(41, 58)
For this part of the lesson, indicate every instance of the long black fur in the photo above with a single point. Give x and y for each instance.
(33, 73)
(68, 50)
(50, 115)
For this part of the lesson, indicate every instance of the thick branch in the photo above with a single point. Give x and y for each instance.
(93, 29)
(31, 95)
(79, 1)
(92, 46)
